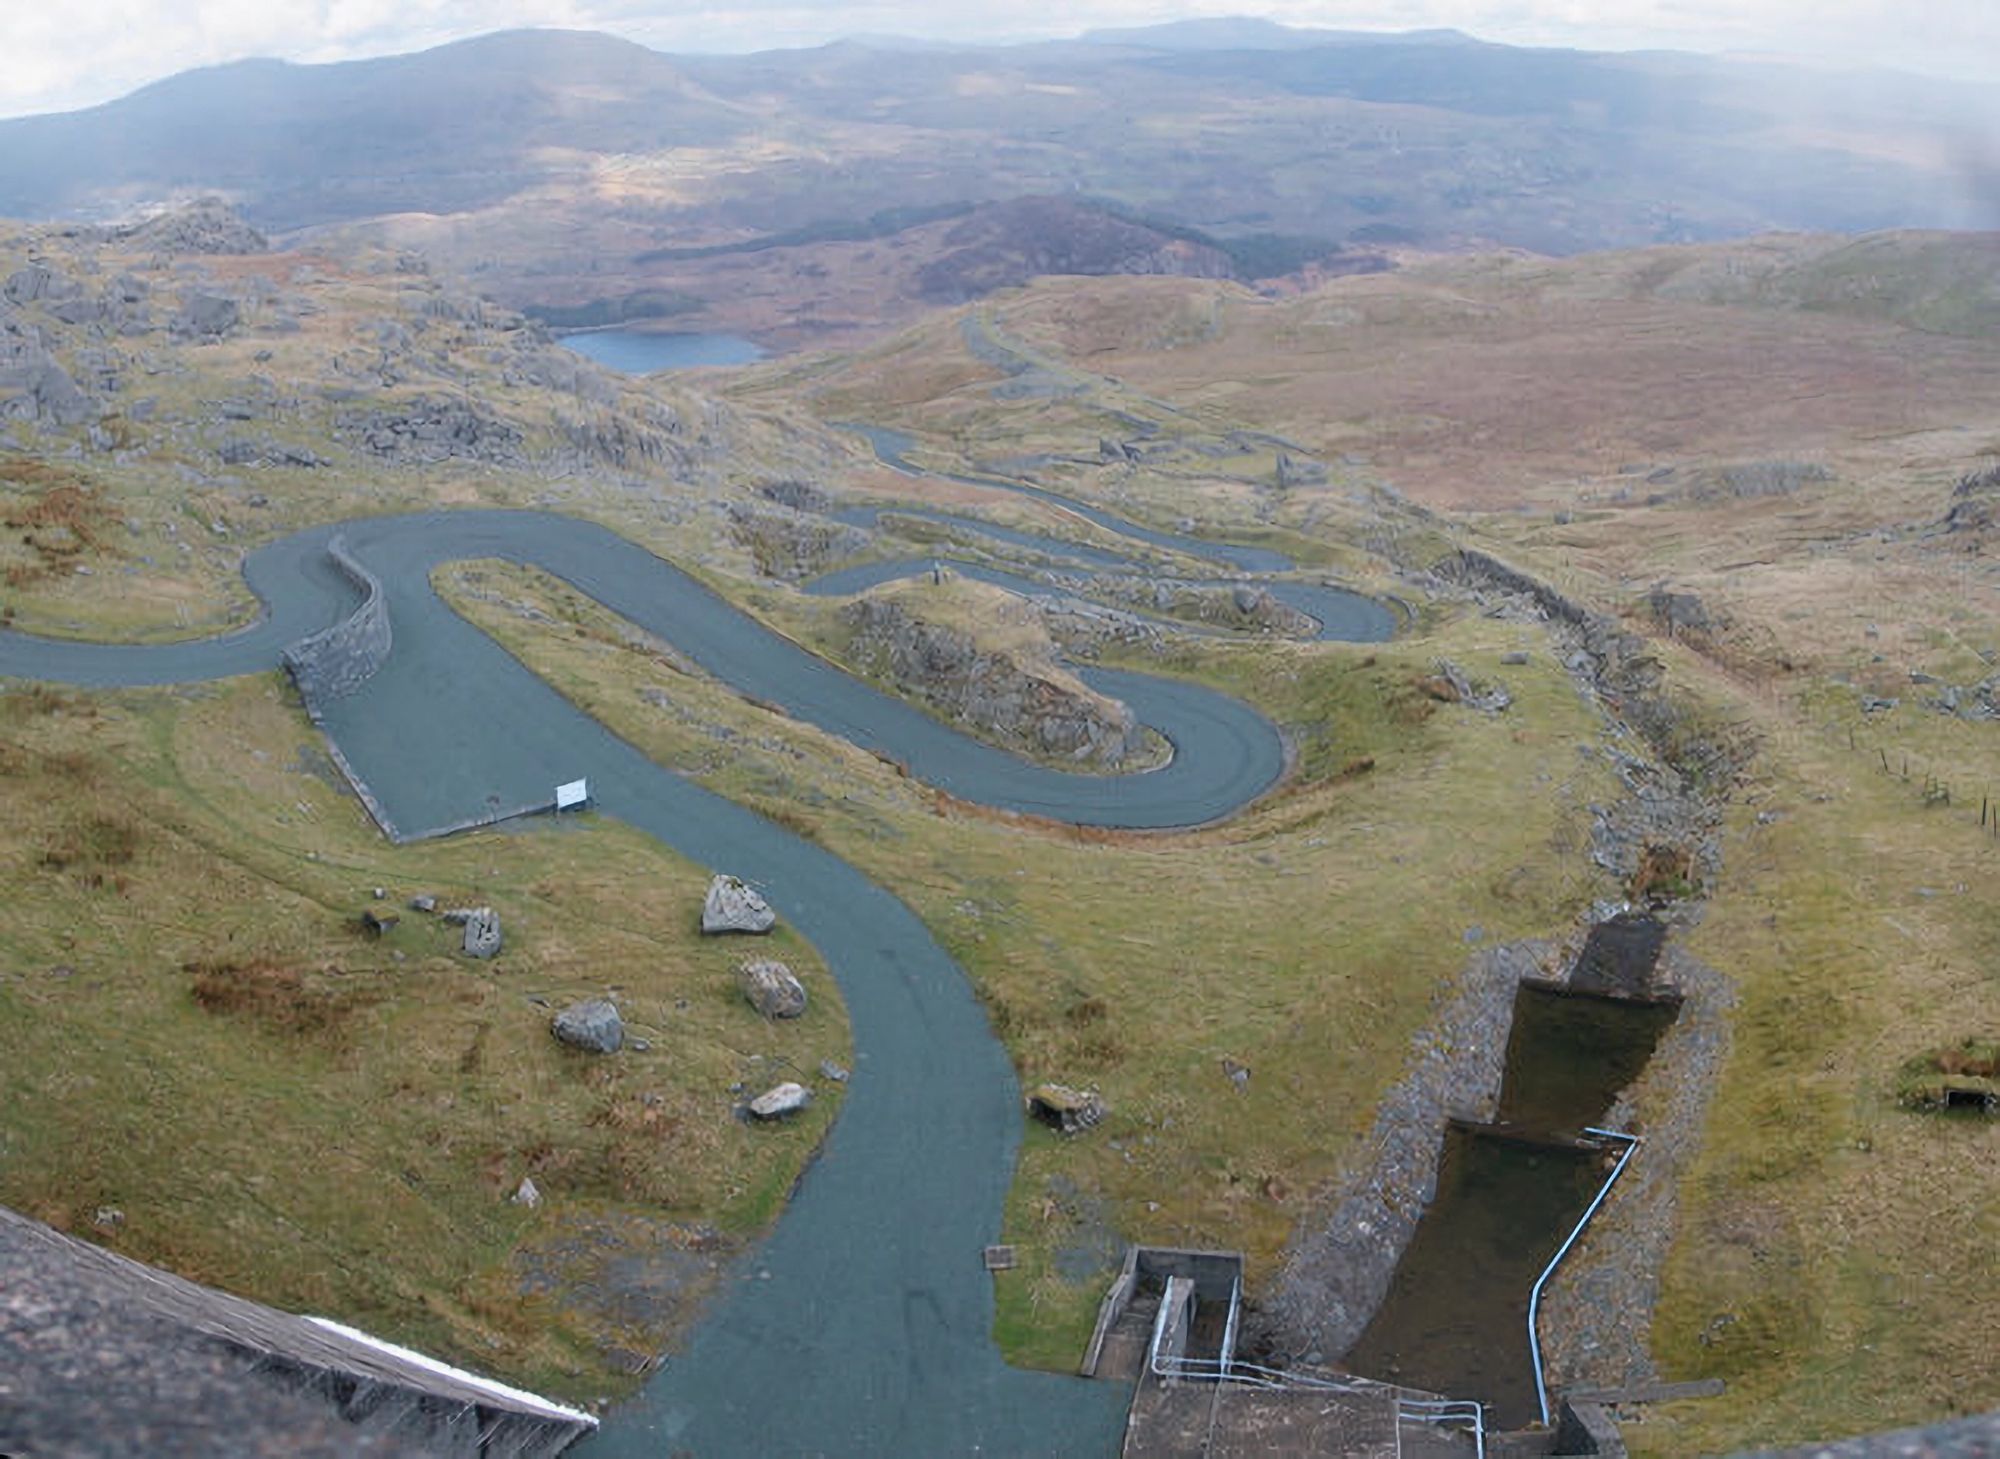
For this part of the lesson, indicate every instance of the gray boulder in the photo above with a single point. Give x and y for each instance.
(206, 316)
(40, 389)
(784, 1099)
(733, 905)
(592, 1025)
(772, 988)
(39, 282)
(482, 932)
(1066, 1110)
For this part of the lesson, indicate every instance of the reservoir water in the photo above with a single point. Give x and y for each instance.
(640, 352)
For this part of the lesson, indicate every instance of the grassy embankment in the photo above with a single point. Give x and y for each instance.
(1832, 1244)
(196, 1033)
(1306, 939)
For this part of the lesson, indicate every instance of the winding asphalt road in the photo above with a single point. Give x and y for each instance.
(862, 1326)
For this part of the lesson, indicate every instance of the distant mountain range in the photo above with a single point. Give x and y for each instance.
(564, 166)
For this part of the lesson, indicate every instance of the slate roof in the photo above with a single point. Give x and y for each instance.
(101, 1355)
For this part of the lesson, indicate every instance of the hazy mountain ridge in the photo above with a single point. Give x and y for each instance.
(1435, 137)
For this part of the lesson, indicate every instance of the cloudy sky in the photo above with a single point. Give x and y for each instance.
(61, 56)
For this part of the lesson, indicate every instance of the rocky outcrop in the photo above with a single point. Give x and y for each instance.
(1294, 471)
(593, 1025)
(800, 496)
(772, 989)
(789, 545)
(429, 429)
(336, 661)
(208, 225)
(1619, 665)
(990, 692)
(733, 905)
(1245, 606)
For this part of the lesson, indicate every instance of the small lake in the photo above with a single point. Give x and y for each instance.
(640, 352)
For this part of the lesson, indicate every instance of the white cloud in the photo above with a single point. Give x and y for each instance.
(86, 51)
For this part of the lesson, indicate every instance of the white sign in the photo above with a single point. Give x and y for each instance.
(573, 794)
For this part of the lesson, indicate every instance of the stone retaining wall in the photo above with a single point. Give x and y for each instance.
(336, 661)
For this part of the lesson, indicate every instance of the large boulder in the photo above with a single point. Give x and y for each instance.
(482, 929)
(772, 988)
(733, 905)
(592, 1025)
(206, 316)
(1068, 1111)
(781, 1100)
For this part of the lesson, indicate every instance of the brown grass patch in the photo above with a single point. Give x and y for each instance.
(1664, 871)
(93, 841)
(57, 526)
(278, 999)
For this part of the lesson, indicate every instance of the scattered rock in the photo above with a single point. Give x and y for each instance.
(430, 429)
(527, 1193)
(592, 1025)
(784, 1099)
(772, 988)
(733, 905)
(1514, 658)
(1874, 705)
(1455, 686)
(425, 903)
(1678, 612)
(107, 1218)
(1069, 1111)
(482, 933)
(1300, 471)
(1975, 502)
(830, 1070)
(375, 922)
(1238, 1074)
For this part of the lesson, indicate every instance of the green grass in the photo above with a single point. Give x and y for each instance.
(1830, 1243)
(195, 1031)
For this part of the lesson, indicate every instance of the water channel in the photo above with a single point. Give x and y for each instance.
(1455, 1319)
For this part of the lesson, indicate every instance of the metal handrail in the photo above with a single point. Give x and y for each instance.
(1251, 1375)
(1229, 1331)
(1535, 1293)
(1446, 1411)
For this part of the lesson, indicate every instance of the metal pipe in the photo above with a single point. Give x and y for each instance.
(1535, 1293)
